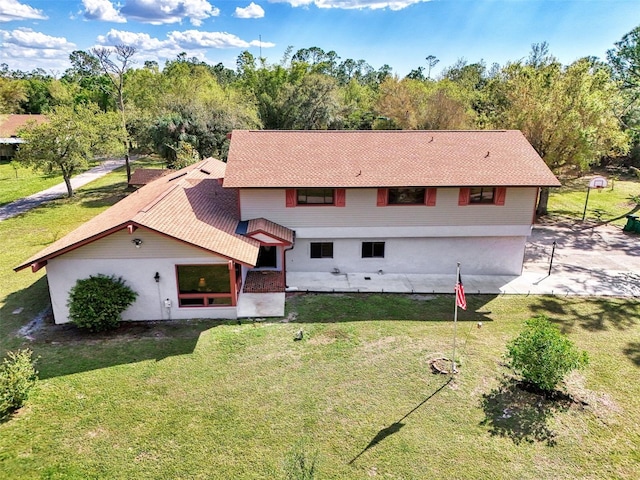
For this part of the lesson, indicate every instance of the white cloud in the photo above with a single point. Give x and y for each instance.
(142, 41)
(194, 42)
(26, 49)
(198, 39)
(27, 38)
(353, 4)
(102, 10)
(158, 12)
(252, 11)
(14, 10)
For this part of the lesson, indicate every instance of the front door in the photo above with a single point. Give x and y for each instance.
(267, 257)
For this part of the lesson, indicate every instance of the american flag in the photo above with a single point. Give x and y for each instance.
(460, 300)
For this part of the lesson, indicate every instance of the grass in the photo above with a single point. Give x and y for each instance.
(15, 184)
(222, 400)
(206, 399)
(611, 204)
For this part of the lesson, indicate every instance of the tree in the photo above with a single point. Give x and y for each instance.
(115, 71)
(566, 113)
(71, 137)
(542, 355)
(624, 61)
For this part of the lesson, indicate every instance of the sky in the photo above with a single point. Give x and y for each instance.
(399, 33)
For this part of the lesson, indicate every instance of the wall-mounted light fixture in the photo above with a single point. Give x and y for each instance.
(137, 242)
(156, 277)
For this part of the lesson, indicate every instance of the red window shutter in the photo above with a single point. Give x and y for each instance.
(382, 197)
(290, 195)
(340, 197)
(501, 194)
(430, 197)
(463, 197)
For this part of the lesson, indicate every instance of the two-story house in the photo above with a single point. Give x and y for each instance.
(196, 242)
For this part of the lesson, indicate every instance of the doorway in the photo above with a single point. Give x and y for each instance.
(267, 257)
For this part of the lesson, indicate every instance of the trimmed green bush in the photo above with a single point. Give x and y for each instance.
(542, 355)
(17, 376)
(96, 303)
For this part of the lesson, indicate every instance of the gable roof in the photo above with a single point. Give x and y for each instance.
(10, 124)
(384, 158)
(142, 176)
(189, 205)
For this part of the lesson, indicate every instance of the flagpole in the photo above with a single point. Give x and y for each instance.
(455, 321)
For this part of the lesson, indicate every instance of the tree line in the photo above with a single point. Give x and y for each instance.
(574, 115)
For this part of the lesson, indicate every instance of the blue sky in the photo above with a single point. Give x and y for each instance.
(400, 33)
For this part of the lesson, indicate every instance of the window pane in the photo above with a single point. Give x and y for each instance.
(315, 196)
(372, 249)
(321, 249)
(406, 196)
(481, 195)
(204, 278)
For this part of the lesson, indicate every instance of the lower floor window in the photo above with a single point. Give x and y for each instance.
(321, 249)
(204, 285)
(372, 249)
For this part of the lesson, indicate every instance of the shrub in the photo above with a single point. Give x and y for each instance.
(17, 376)
(542, 355)
(96, 303)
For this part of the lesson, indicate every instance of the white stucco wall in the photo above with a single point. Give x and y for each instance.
(360, 210)
(116, 255)
(479, 255)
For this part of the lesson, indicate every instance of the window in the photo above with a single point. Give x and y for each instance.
(204, 285)
(372, 249)
(406, 196)
(321, 249)
(315, 196)
(481, 195)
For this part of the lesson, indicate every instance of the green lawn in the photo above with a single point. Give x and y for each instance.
(15, 184)
(621, 197)
(219, 400)
(222, 400)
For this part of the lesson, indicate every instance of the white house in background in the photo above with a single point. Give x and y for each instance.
(192, 243)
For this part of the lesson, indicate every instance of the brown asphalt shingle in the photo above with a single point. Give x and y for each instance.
(383, 158)
(189, 205)
(10, 124)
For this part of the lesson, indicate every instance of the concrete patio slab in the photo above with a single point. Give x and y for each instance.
(260, 305)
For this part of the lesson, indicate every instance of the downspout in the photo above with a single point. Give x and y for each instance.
(284, 259)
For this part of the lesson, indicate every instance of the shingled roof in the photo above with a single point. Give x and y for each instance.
(384, 158)
(10, 124)
(189, 205)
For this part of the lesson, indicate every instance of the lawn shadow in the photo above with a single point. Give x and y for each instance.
(515, 411)
(609, 313)
(633, 352)
(105, 196)
(396, 426)
(65, 349)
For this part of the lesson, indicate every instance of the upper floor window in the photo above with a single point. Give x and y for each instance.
(315, 196)
(406, 196)
(481, 195)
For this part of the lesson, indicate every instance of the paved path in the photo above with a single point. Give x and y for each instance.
(60, 190)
